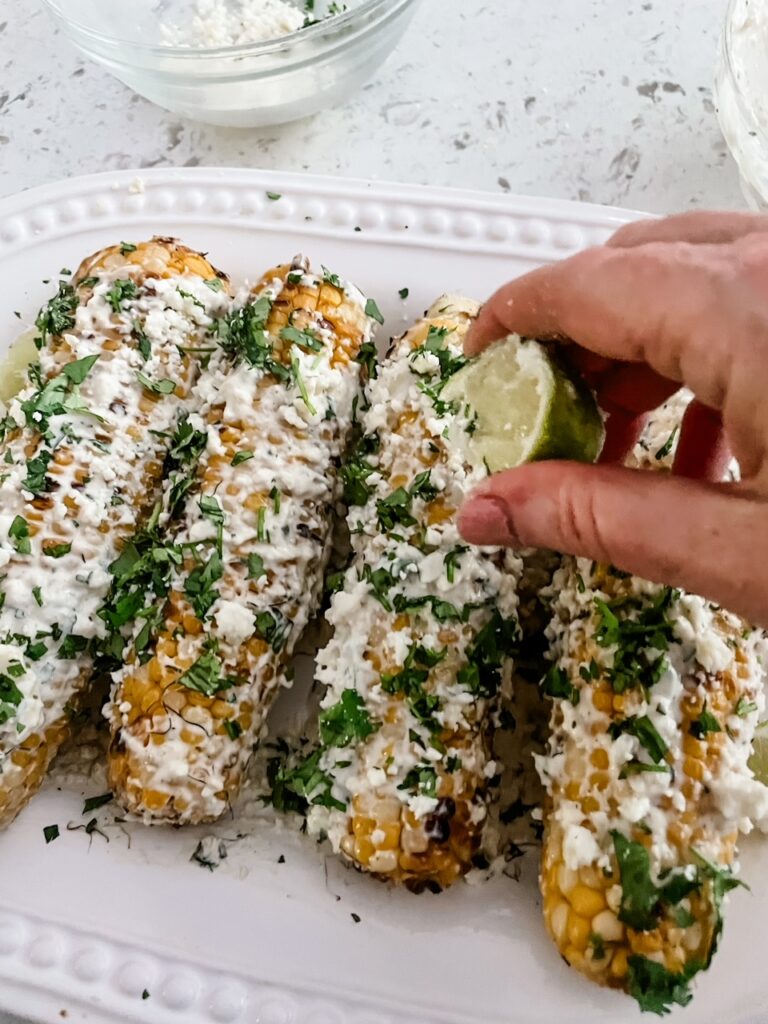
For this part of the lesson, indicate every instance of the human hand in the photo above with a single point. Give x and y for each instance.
(682, 300)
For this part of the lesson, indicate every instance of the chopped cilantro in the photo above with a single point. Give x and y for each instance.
(276, 497)
(58, 315)
(634, 637)
(304, 339)
(205, 675)
(332, 278)
(379, 581)
(199, 586)
(142, 341)
(232, 728)
(299, 380)
(94, 802)
(356, 470)
(242, 456)
(158, 387)
(19, 532)
(373, 311)
(597, 942)
(38, 596)
(145, 994)
(422, 778)
(214, 283)
(261, 519)
(36, 480)
(556, 684)
(705, 724)
(56, 550)
(126, 247)
(666, 448)
(119, 293)
(51, 832)
(256, 567)
(346, 721)
(187, 444)
(211, 509)
(404, 293)
(368, 359)
(294, 789)
(641, 767)
(72, 646)
(272, 625)
(242, 335)
(451, 561)
(641, 899)
(643, 729)
(274, 196)
(744, 707)
(655, 988)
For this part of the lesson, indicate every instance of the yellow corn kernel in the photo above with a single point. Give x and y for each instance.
(578, 931)
(586, 902)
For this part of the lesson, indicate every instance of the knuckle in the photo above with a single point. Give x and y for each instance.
(580, 524)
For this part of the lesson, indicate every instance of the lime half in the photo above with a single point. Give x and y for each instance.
(758, 760)
(13, 368)
(518, 403)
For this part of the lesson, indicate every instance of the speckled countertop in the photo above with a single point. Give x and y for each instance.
(602, 100)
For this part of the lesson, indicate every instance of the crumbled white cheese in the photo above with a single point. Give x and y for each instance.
(218, 23)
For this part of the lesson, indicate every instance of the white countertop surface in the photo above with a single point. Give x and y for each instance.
(601, 100)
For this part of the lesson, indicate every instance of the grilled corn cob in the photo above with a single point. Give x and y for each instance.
(252, 542)
(82, 458)
(656, 695)
(423, 629)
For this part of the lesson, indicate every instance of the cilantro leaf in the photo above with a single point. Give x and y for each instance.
(705, 724)
(158, 387)
(346, 721)
(120, 292)
(205, 675)
(19, 532)
(373, 311)
(557, 685)
(655, 988)
(94, 802)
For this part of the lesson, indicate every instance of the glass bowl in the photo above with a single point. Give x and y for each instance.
(741, 94)
(237, 86)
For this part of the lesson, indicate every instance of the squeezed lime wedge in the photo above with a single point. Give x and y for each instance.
(13, 375)
(519, 403)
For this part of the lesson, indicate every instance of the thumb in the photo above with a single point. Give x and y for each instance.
(708, 539)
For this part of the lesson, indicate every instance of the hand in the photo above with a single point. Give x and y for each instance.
(677, 301)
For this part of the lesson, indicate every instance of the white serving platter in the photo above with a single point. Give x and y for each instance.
(87, 926)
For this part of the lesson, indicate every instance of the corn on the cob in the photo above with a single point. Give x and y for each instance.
(82, 459)
(656, 694)
(423, 629)
(252, 543)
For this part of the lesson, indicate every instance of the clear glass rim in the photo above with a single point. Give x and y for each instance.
(742, 100)
(312, 33)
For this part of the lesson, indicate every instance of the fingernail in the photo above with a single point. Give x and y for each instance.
(486, 520)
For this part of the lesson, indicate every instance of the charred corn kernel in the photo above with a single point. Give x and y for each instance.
(424, 624)
(622, 632)
(82, 455)
(253, 536)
